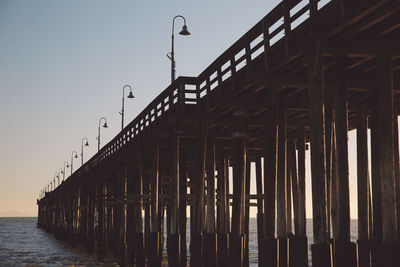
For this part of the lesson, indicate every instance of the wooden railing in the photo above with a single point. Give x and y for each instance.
(255, 44)
(252, 46)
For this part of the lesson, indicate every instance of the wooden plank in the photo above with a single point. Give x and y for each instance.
(281, 193)
(270, 165)
(362, 176)
(397, 169)
(301, 163)
(295, 185)
(237, 231)
(386, 153)
(342, 149)
(210, 169)
(210, 238)
(318, 176)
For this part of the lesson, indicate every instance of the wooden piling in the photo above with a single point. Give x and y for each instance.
(344, 251)
(386, 158)
(270, 174)
(183, 176)
(260, 215)
(210, 237)
(139, 247)
(154, 235)
(173, 237)
(222, 209)
(364, 254)
(281, 190)
(320, 249)
(247, 212)
(196, 237)
(239, 172)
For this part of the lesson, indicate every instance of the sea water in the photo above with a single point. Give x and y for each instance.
(23, 244)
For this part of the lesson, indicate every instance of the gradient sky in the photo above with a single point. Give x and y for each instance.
(63, 65)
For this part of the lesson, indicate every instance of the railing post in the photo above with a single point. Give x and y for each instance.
(266, 40)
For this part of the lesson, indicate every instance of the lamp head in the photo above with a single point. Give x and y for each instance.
(131, 95)
(105, 125)
(184, 31)
(87, 143)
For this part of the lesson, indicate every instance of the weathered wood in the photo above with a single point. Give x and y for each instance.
(316, 115)
(397, 170)
(270, 176)
(376, 181)
(289, 182)
(239, 173)
(154, 236)
(139, 192)
(100, 221)
(260, 215)
(320, 250)
(334, 182)
(183, 176)
(386, 153)
(362, 176)
(247, 212)
(222, 208)
(196, 237)
(120, 214)
(173, 247)
(364, 255)
(386, 158)
(301, 163)
(342, 150)
(294, 183)
(281, 190)
(130, 216)
(210, 238)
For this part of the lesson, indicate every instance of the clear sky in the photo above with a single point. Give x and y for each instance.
(63, 65)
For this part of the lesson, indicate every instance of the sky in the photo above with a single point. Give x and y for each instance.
(63, 65)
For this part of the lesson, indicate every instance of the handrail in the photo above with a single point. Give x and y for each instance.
(250, 47)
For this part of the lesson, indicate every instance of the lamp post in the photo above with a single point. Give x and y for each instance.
(72, 160)
(86, 144)
(123, 100)
(64, 170)
(98, 136)
(55, 176)
(60, 171)
(171, 56)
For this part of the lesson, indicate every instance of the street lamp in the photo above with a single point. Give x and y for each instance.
(98, 136)
(60, 171)
(86, 144)
(55, 176)
(64, 170)
(171, 56)
(123, 100)
(72, 159)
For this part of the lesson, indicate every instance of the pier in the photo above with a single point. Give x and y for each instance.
(300, 79)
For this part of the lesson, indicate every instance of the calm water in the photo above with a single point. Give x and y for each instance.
(23, 244)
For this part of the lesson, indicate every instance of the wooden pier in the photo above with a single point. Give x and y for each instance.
(301, 78)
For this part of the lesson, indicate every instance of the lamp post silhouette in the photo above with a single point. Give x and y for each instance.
(64, 169)
(72, 160)
(171, 55)
(86, 144)
(123, 100)
(60, 171)
(98, 136)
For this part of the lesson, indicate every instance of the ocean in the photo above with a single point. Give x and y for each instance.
(23, 244)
